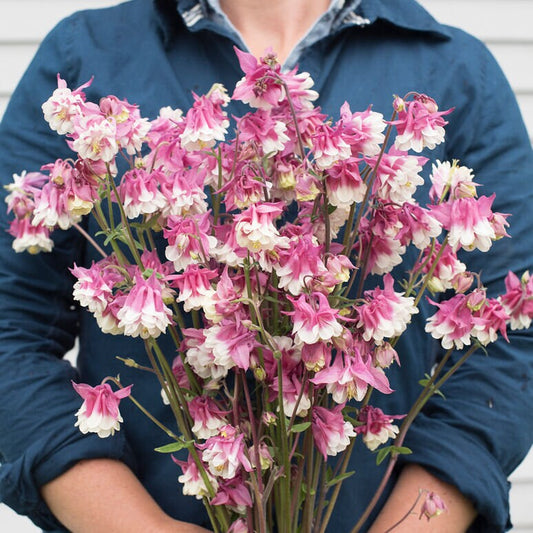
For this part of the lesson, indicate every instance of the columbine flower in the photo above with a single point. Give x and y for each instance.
(99, 412)
(385, 313)
(208, 418)
(377, 427)
(194, 287)
(330, 432)
(468, 221)
(450, 180)
(300, 264)
(419, 124)
(189, 240)
(205, 122)
(140, 194)
(255, 230)
(143, 312)
(192, 481)
(452, 323)
(518, 300)
(95, 138)
(224, 453)
(433, 506)
(63, 105)
(235, 494)
(314, 319)
(329, 147)
(29, 237)
(350, 376)
(362, 130)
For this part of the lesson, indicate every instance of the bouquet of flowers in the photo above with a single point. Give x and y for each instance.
(270, 238)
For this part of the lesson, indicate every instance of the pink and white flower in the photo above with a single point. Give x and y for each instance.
(208, 418)
(385, 313)
(433, 506)
(331, 433)
(64, 104)
(419, 124)
(313, 319)
(377, 427)
(363, 131)
(224, 453)
(205, 122)
(143, 312)
(99, 412)
(518, 300)
(192, 480)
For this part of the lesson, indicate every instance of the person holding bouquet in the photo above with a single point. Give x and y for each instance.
(158, 53)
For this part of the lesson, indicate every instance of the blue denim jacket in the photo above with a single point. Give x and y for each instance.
(154, 55)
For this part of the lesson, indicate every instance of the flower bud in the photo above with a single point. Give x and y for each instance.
(432, 506)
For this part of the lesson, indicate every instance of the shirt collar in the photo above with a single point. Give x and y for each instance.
(410, 16)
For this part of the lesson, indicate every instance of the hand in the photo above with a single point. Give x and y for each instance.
(91, 497)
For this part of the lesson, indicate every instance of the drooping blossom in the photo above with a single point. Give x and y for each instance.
(193, 483)
(63, 105)
(451, 180)
(331, 433)
(222, 302)
(224, 453)
(349, 377)
(397, 176)
(344, 184)
(329, 147)
(230, 343)
(299, 264)
(263, 129)
(518, 300)
(453, 323)
(432, 506)
(29, 237)
(362, 130)
(385, 313)
(445, 270)
(208, 418)
(94, 137)
(255, 230)
(99, 412)
(206, 122)
(189, 240)
(419, 123)
(131, 128)
(377, 427)
(143, 312)
(65, 197)
(140, 194)
(314, 319)
(235, 494)
(468, 221)
(194, 287)
(493, 321)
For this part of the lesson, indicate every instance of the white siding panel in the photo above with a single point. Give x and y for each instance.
(490, 20)
(14, 60)
(31, 20)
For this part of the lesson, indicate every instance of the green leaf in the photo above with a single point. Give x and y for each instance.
(174, 446)
(382, 454)
(339, 478)
(298, 428)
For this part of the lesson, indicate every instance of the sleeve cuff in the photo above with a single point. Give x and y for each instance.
(21, 479)
(462, 462)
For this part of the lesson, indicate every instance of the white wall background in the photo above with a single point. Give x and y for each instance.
(505, 25)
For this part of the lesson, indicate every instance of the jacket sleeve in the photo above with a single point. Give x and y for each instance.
(483, 429)
(38, 321)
